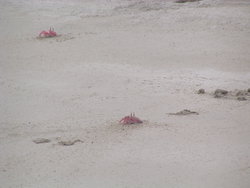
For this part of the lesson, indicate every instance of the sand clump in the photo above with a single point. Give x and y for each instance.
(220, 93)
(240, 95)
(69, 142)
(63, 143)
(184, 113)
(186, 1)
(241, 98)
(201, 91)
(41, 140)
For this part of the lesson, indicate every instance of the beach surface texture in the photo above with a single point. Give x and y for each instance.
(177, 75)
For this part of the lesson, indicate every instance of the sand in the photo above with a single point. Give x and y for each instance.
(113, 58)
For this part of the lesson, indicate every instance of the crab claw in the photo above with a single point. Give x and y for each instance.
(43, 34)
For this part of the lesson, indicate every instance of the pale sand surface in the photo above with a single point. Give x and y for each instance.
(114, 58)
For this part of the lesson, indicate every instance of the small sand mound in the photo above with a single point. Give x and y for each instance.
(41, 140)
(201, 91)
(69, 142)
(220, 93)
(186, 1)
(240, 95)
(184, 112)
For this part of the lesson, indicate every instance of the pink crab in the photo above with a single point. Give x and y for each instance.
(46, 34)
(132, 119)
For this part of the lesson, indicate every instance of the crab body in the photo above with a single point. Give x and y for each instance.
(46, 34)
(132, 119)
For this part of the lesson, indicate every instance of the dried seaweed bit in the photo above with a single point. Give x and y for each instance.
(201, 91)
(184, 112)
(185, 1)
(220, 93)
(69, 142)
(241, 98)
(41, 140)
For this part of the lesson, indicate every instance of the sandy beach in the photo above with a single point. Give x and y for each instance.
(61, 98)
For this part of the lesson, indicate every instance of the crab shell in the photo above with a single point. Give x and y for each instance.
(132, 119)
(50, 33)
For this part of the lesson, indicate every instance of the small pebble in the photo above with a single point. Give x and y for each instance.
(248, 90)
(184, 112)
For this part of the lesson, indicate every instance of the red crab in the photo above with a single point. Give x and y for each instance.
(132, 119)
(46, 34)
